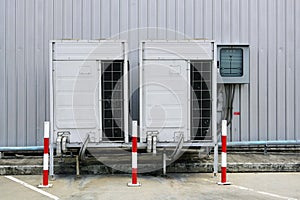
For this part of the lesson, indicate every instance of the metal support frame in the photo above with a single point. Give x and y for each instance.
(185, 144)
(266, 149)
(77, 167)
(51, 164)
(161, 145)
(140, 145)
(141, 91)
(214, 109)
(126, 92)
(164, 162)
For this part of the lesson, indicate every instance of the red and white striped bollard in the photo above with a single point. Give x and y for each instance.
(134, 182)
(224, 155)
(45, 183)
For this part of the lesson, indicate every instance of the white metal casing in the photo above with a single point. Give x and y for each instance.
(165, 93)
(177, 49)
(75, 84)
(88, 50)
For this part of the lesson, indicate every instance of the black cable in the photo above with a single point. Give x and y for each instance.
(229, 91)
(231, 104)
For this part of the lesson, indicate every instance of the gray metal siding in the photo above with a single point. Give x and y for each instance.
(270, 108)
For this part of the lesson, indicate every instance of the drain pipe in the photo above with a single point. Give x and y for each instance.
(58, 145)
(29, 148)
(257, 143)
(154, 141)
(64, 144)
(149, 141)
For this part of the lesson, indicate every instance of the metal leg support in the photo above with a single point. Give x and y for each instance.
(164, 163)
(51, 170)
(266, 149)
(215, 160)
(77, 167)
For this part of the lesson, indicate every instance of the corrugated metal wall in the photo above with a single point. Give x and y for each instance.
(270, 107)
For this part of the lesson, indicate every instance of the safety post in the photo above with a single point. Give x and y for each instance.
(224, 155)
(45, 183)
(134, 170)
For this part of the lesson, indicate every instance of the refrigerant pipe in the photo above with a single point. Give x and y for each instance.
(229, 144)
(29, 148)
(257, 143)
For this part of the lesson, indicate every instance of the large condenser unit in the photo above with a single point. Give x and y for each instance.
(90, 95)
(89, 92)
(178, 92)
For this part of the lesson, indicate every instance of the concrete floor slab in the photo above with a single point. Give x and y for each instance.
(13, 190)
(175, 186)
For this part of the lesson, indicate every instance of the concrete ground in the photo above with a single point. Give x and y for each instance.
(109, 164)
(174, 186)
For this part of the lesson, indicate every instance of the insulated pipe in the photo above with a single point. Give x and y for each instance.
(29, 148)
(256, 143)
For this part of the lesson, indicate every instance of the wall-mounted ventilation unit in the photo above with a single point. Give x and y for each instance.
(233, 63)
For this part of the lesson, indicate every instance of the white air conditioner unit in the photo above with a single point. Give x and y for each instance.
(89, 91)
(89, 105)
(178, 91)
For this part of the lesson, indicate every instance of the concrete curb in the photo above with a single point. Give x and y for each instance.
(189, 163)
(173, 168)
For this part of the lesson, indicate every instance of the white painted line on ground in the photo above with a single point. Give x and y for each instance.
(265, 193)
(259, 192)
(32, 187)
